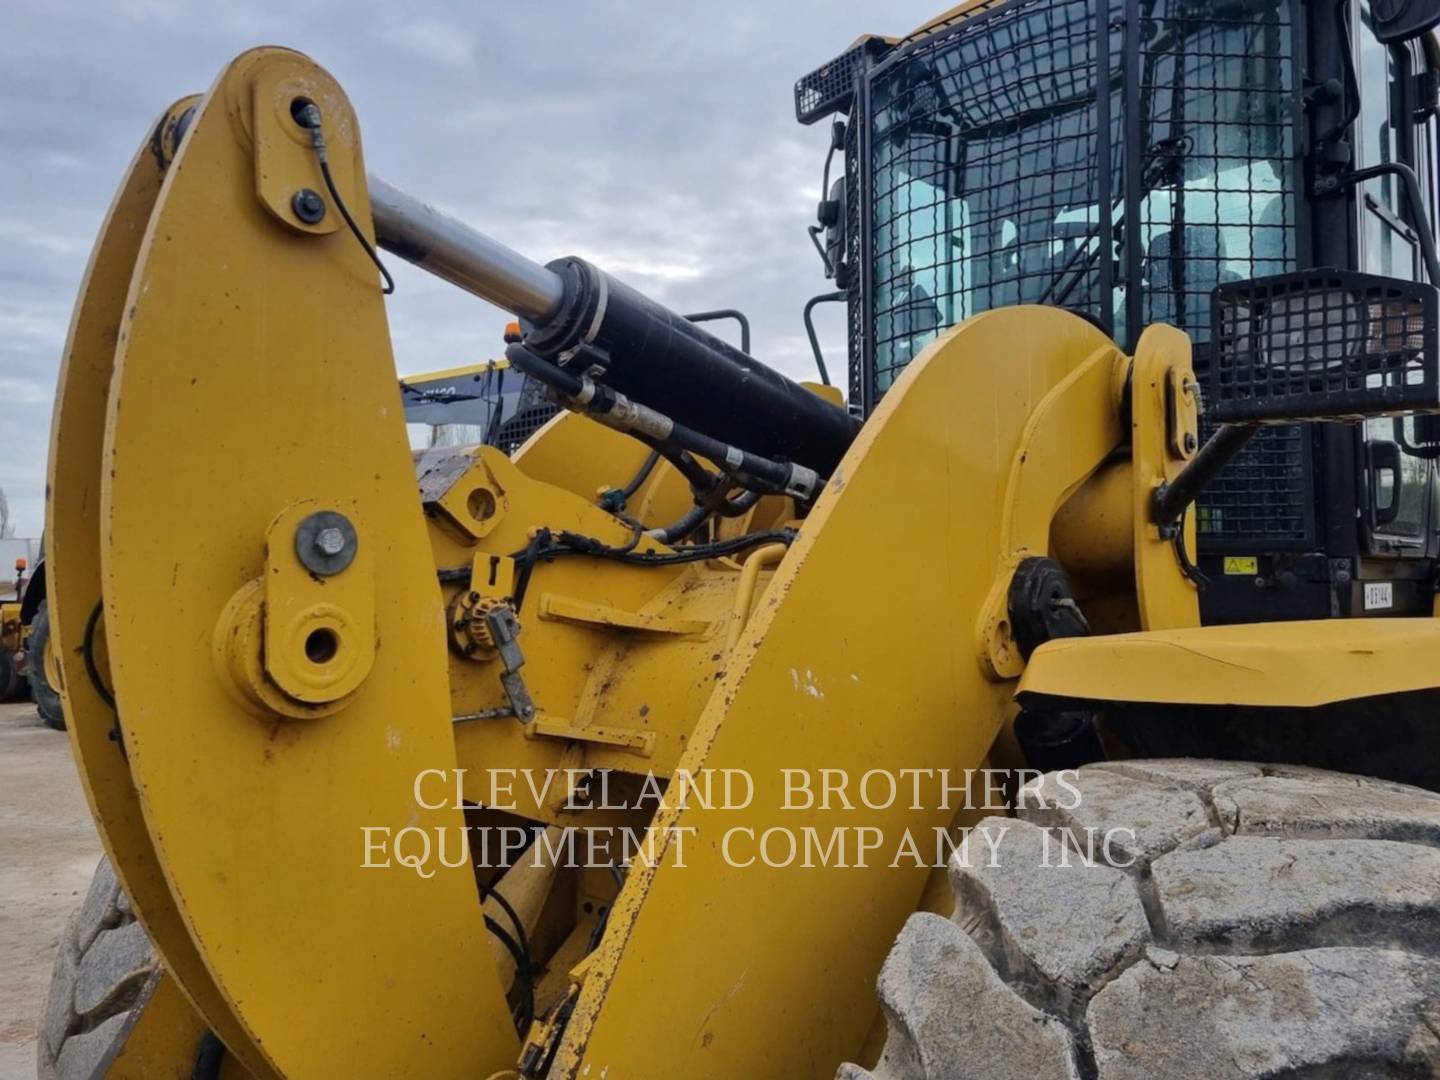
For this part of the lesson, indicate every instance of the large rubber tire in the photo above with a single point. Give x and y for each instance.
(103, 967)
(1271, 921)
(12, 683)
(46, 697)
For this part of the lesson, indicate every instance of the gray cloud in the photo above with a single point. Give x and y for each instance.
(657, 139)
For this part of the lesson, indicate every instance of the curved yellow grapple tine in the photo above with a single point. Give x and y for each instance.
(254, 375)
(72, 539)
(830, 674)
(161, 1035)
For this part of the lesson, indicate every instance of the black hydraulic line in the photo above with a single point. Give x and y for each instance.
(738, 505)
(92, 671)
(809, 316)
(1170, 500)
(87, 650)
(700, 478)
(651, 460)
(389, 286)
(626, 342)
(726, 313)
(574, 544)
(544, 546)
(641, 475)
(1182, 556)
(613, 500)
(657, 430)
(718, 503)
(307, 115)
(525, 1013)
(684, 525)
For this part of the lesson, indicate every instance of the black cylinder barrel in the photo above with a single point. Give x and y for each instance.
(661, 359)
(583, 319)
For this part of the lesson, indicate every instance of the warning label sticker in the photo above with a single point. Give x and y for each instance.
(1242, 564)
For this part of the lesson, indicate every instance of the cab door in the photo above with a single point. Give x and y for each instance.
(1399, 498)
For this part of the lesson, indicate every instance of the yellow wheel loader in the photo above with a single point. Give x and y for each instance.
(489, 403)
(981, 724)
(27, 660)
(14, 635)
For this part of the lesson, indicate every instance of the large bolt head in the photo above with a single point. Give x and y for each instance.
(308, 206)
(330, 541)
(326, 542)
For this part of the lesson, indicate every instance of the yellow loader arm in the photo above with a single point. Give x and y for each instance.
(269, 638)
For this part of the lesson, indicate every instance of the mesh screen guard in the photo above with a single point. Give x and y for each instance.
(1325, 343)
(985, 183)
(1121, 159)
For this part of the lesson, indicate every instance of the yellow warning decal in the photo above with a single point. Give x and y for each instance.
(1242, 564)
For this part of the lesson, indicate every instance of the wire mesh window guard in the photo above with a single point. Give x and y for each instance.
(985, 179)
(497, 406)
(1120, 159)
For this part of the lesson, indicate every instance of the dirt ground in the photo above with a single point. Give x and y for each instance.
(48, 850)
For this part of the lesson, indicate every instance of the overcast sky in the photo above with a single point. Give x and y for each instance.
(657, 139)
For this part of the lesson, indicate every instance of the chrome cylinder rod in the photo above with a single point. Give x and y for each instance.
(452, 250)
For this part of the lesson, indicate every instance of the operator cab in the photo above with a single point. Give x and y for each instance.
(1128, 159)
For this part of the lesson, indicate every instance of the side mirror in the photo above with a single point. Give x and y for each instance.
(1423, 439)
(1427, 429)
(832, 218)
(1396, 21)
(1385, 481)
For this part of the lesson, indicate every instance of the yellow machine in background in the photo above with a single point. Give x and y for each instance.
(276, 659)
(13, 637)
(27, 660)
(486, 403)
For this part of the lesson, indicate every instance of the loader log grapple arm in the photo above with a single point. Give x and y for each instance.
(295, 636)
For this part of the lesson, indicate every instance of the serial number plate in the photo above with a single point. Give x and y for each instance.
(1379, 595)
